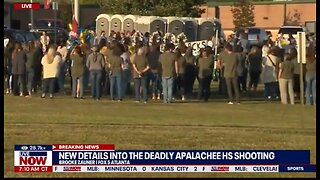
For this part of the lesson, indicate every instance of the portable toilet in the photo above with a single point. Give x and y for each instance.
(191, 29)
(176, 25)
(116, 23)
(151, 24)
(158, 24)
(206, 28)
(129, 23)
(103, 24)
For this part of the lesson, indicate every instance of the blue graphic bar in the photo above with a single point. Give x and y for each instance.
(185, 157)
(298, 168)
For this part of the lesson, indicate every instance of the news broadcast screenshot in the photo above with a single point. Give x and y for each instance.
(159, 89)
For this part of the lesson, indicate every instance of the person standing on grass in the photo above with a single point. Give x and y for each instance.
(37, 66)
(169, 68)
(30, 64)
(115, 73)
(296, 77)
(19, 59)
(255, 61)
(180, 81)
(190, 72)
(153, 60)
(230, 61)
(242, 70)
(269, 74)
(8, 65)
(126, 72)
(95, 63)
(78, 64)
(51, 63)
(311, 88)
(286, 69)
(62, 49)
(140, 67)
(205, 66)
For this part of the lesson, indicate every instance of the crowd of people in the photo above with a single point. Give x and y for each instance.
(109, 64)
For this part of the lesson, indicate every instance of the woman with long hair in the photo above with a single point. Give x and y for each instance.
(19, 69)
(51, 64)
(115, 73)
(126, 73)
(296, 77)
(180, 80)
(269, 74)
(255, 67)
(311, 87)
(77, 72)
(286, 80)
(95, 63)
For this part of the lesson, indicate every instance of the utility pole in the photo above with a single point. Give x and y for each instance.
(55, 9)
(285, 13)
(31, 16)
(76, 11)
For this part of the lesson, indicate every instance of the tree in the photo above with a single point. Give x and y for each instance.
(294, 19)
(243, 15)
(189, 8)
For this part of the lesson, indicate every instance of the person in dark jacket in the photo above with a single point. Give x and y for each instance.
(255, 67)
(30, 64)
(19, 59)
(190, 72)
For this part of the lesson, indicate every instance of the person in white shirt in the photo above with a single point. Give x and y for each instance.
(51, 63)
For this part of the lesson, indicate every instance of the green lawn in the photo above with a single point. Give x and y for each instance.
(193, 125)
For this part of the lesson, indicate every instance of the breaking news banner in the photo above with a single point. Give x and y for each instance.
(105, 158)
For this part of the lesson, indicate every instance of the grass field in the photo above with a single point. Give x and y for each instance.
(155, 126)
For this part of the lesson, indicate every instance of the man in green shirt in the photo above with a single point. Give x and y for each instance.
(169, 68)
(229, 60)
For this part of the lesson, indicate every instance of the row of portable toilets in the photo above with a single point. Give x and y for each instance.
(195, 29)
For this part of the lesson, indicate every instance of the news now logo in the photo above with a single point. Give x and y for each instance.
(33, 158)
(21, 6)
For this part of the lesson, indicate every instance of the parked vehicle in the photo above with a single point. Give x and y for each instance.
(285, 31)
(48, 25)
(256, 36)
(20, 35)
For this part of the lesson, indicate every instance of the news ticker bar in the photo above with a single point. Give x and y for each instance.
(104, 158)
(170, 168)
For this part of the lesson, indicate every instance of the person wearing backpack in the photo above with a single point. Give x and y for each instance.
(270, 66)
